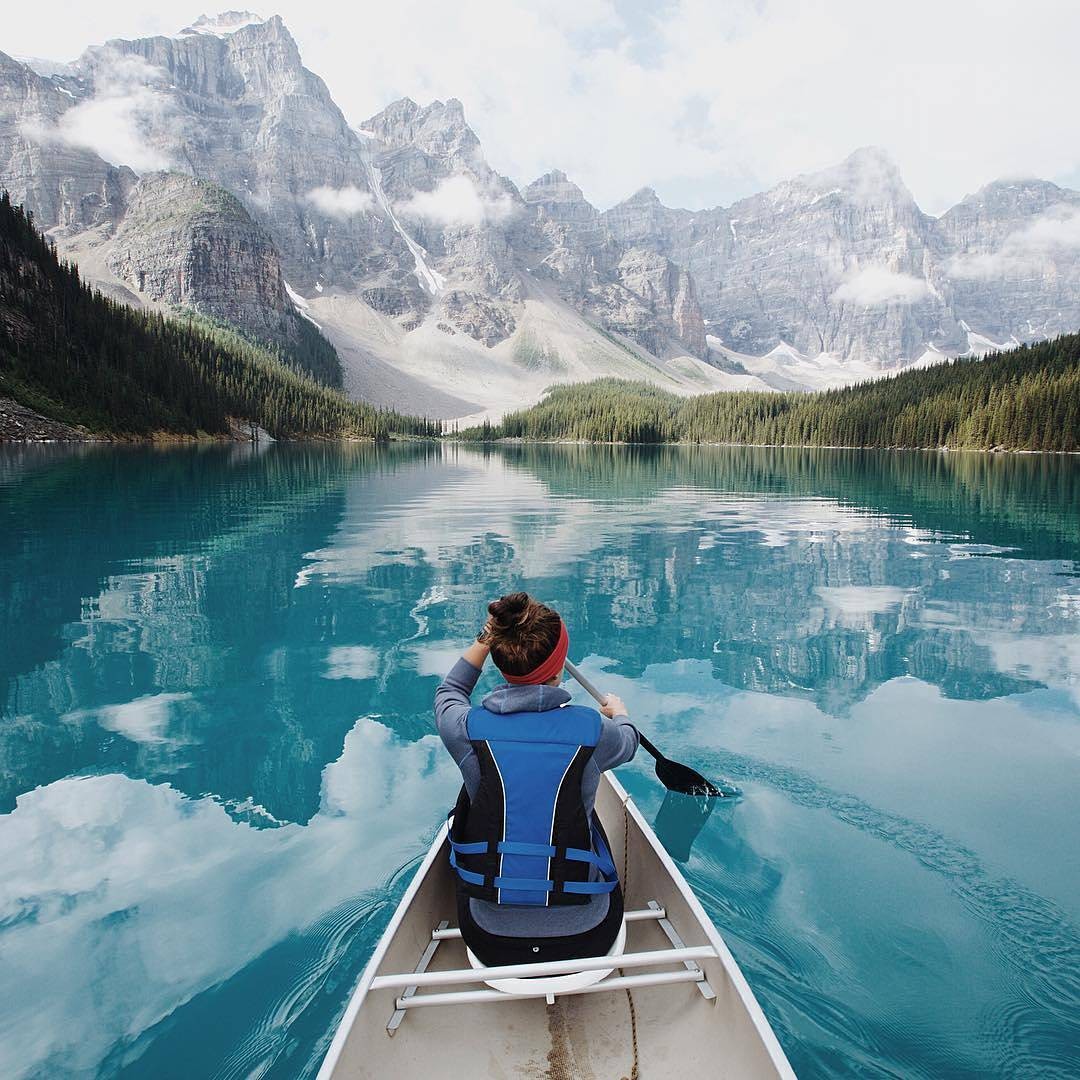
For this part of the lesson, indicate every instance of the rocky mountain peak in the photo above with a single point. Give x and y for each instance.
(413, 225)
(438, 129)
(559, 198)
(872, 158)
(870, 175)
(1019, 196)
(10, 66)
(866, 177)
(227, 22)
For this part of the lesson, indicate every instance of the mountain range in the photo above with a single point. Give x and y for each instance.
(212, 171)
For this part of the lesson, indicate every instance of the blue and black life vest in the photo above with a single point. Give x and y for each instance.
(525, 837)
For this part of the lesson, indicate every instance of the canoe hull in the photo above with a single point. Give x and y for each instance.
(678, 1030)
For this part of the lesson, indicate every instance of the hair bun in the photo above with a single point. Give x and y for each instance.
(508, 611)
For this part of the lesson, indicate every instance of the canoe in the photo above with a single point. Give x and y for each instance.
(676, 1004)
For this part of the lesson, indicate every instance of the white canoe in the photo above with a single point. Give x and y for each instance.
(677, 1002)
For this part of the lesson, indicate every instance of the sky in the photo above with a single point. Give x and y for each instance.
(704, 100)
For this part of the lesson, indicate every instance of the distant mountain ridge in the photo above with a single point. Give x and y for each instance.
(447, 289)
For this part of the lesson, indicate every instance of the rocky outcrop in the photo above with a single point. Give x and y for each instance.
(20, 424)
(190, 243)
(686, 315)
(482, 318)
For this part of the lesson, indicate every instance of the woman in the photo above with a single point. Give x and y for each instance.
(534, 874)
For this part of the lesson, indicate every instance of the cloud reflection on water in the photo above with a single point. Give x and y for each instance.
(115, 883)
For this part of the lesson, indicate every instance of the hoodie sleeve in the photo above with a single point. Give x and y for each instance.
(617, 744)
(452, 704)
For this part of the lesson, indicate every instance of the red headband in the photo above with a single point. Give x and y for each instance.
(551, 667)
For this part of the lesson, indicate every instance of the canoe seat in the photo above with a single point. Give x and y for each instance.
(554, 984)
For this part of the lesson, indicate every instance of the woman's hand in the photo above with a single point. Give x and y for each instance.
(613, 706)
(478, 651)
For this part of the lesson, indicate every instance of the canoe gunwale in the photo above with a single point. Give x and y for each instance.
(356, 1001)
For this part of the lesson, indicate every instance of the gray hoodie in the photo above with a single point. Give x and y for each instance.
(617, 744)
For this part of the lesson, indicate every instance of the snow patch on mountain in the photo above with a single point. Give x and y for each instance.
(785, 368)
(301, 305)
(228, 22)
(428, 277)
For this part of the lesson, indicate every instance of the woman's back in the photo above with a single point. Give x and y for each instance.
(530, 764)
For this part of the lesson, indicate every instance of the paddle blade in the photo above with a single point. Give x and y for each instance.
(678, 777)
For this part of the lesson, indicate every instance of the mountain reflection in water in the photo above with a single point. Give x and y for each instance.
(217, 763)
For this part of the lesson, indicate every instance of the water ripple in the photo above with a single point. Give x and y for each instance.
(1037, 1032)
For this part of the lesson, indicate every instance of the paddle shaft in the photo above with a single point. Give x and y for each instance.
(588, 687)
(584, 682)
(673, 775)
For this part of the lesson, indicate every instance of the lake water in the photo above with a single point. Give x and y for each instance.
(217, 765)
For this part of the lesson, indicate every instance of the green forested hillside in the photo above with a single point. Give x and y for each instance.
(72, 354)
(1024, 399)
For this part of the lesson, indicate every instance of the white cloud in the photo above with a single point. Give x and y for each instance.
(456, 201)
(628, 94)
(343, 202)
(115, 122)
(1054, 232)
(874, 286)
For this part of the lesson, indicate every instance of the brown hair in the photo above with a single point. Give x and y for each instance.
(522, 632)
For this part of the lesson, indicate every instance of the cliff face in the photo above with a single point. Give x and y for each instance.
(634, 290)
(1009, 256)
(843, 261)
(190, 243)
(240, 109)
(64, 183)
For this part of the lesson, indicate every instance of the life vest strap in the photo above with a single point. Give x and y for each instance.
(466, 875)
(601, 859)
(544, 851)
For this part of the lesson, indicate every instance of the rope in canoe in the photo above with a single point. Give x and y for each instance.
(626, 889)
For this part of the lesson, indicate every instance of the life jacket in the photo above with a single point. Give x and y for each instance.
(525, 837)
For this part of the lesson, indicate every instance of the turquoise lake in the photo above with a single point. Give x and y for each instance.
(218, 766)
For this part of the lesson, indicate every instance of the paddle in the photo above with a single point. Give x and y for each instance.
(672, 774)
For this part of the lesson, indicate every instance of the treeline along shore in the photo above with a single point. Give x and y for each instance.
(95, 367)
(1025, 399)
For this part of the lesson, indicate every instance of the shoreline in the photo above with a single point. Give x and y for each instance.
(516, 441)
(22, 426)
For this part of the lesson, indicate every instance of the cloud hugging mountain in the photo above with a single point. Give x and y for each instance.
(212, 171)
